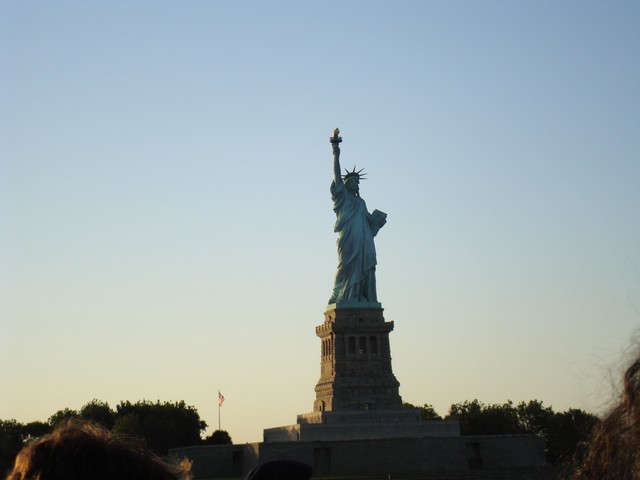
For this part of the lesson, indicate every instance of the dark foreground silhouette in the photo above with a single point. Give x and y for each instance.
(613, 450)
(80, 450)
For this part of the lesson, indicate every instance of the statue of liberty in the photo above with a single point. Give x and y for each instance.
(355, 281)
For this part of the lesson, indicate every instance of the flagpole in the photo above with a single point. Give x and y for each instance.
(219, 410)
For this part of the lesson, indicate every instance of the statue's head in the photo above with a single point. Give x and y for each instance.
(352, 184)
(352, 180)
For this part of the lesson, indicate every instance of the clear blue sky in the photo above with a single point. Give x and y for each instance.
(166, 223)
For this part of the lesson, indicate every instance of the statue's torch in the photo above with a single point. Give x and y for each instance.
(335, 139)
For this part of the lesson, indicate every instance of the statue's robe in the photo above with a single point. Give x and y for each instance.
(355, 278)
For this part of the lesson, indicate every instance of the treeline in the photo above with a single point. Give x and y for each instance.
(165, 425)
(162, 425)
(563, 432)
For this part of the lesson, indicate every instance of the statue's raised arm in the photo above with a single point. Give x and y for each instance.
(355, 281)
(335, 143)
(336, 164)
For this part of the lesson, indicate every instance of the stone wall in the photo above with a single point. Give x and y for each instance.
(393, 457)
(211, 461)
(308, 432)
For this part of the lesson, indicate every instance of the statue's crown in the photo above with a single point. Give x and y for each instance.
(353, 173)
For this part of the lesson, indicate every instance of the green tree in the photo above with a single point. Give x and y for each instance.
(13, 436)
(11, 441)
(128, 423)
(163, 425)
(562, 432)
(476, 418)
(33, 430)
(62, 416)
(534, 417)
(567, 430)
(99, 412)
(219, 437)
(427, 412)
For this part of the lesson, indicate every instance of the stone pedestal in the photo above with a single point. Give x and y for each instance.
(355, 361)
(357, 394)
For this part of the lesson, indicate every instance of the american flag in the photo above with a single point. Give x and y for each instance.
(220, 398)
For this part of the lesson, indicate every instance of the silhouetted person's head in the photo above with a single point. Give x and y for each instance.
(84, 451)
(613, 451)
(280, 470)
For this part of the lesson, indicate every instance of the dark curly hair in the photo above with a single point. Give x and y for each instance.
(80, 450)
(613, 451)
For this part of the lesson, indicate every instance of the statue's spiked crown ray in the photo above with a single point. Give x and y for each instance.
(353, 173)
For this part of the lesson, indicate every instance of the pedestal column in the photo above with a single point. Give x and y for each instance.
(355, 361)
